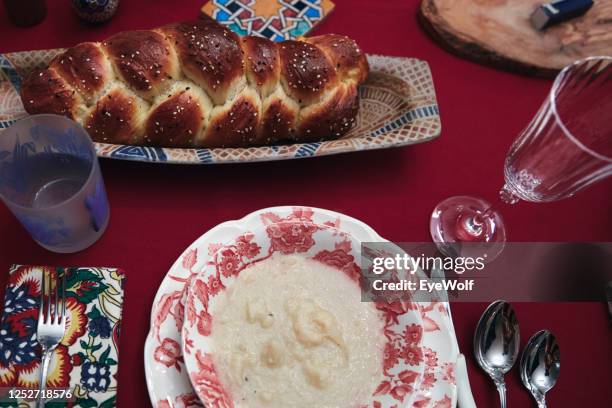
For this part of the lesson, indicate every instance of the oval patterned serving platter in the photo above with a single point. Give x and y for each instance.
(397, 107)
(167, 378)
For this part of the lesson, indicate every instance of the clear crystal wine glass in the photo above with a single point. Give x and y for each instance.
(565, 148)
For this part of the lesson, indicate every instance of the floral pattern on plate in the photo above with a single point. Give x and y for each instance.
(167, 379)
(403, 364)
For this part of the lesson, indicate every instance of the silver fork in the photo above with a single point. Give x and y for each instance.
(51, 325)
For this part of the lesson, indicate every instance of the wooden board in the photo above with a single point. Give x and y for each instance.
(499, 33)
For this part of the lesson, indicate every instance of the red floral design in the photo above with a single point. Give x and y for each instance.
(408, 376)
(429, 324)
(431, 357)
(26, 376)
(208, 384)
(443, 403)
(200, 290)
(179, 313)
(428, 381)
(383, 388)
(392, 310)
(229, 264)
(400, 391)
(390, 356)
(448, 372)
(169, 353)
(76, 324)
(421, 402)
(28, 274)
(214, 285)
(116, 333)
(297, 214)
(19, 322)
(333, 224)
(413, 334)
(188, 400)
(204, 323)
(291, 237)
(245, 247)
(163, 309)
(84, 287)
(76, 359)
(190, 313)
(412, 355)
(405, 344)
(403, 357)
(340, 258)
(190, 259)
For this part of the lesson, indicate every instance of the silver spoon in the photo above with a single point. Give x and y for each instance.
(496, 343)
(540, 365)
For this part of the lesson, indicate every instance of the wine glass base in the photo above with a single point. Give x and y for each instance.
(467, 227)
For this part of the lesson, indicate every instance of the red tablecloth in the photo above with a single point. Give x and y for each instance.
(157, 210)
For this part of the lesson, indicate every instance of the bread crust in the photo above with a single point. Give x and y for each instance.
(197, 84)
(47, 92)
(85, 68)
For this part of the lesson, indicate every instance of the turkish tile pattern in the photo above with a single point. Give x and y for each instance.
(276, 20)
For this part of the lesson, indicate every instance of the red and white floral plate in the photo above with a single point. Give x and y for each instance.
(295, 234)
(420, 365)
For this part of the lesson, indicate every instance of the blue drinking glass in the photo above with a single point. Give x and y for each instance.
(50, 180)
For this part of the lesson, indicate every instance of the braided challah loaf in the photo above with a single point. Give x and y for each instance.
(198, 84)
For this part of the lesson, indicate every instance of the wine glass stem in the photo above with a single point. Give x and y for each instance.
(474, 225)
(541, 401)
(501, 389)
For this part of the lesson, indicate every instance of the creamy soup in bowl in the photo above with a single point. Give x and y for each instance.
(292, 332)
(275, 319)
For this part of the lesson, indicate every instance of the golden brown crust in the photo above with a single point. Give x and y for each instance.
(198, 84)
(345, 55)
(85, 68)
(278, 123)
(236, 126)
(306, 71)
(177, 120)
(262, 63)
(115, 119)
(210, 55)
(144, 60)
(333, 117)
(44, 91)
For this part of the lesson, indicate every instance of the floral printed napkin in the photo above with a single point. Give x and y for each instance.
(87, 357)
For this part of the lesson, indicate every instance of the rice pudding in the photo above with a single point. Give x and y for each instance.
(293, 332)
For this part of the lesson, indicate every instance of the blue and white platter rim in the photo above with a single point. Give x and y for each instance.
(398, 107)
